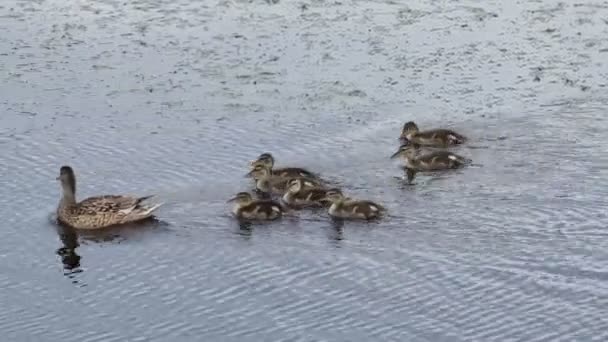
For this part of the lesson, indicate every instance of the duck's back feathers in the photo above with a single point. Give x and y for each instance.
(368, 209)
(440, 160)
(434, 161)
(278, 185)
(306, 197)
(455, 138)
(351, 209)
(437, 137)
(291, 172)
(260, 210)
(103, 211)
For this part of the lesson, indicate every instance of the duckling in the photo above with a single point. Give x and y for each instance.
(287, 172)
(434, 138)
(100, 211)
(297, 195)
(433, 161)
(249, 209)
(346, 208)
(268, 183)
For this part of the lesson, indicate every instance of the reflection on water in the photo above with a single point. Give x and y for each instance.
(176, 97)
(69, 257)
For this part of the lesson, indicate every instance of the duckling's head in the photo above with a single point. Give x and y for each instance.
(241, 198)
(265, 159)
(407, 150)
(334, 195)
(67, 178)
(294, 185)
(408, 128)
(259, 171)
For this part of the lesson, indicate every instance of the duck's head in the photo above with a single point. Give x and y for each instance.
(294, 185)
(259, 171)
(241, 198)
(407, 150)
(67, 178)
(264, 159)
(408, 128)
(334, 195)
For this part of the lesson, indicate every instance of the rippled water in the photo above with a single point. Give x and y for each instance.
(175, 97)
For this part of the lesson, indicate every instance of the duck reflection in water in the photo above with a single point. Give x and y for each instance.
(69, 257)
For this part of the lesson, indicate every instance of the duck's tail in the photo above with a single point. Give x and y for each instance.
(151, 209)
(460, 160)
(143, 210)
(381, 208)
(455, 138)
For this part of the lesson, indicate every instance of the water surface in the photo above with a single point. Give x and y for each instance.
(175, 97)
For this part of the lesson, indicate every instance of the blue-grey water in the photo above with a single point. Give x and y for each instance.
(174, 97)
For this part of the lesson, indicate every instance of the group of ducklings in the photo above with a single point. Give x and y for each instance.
(296, 187)
(412, 139)
(300, 188)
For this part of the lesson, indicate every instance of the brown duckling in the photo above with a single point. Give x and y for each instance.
(346, 208)
(433, 161)
(287, 172)
(100, 211)
(433, 138)
(249, 209)
(268, 183)
(298, 195)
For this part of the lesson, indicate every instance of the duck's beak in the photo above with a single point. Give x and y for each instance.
(232, 199)
(396, 154)
(57, 178)
(249, 174)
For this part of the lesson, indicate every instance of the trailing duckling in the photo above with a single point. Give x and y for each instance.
(433, 161)
(267, 160)
(434, 137)
(268, 183)
(346, 208)
(100, 211)
(298, 195)
(246, 208)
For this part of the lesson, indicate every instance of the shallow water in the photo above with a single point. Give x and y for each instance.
(175, 97)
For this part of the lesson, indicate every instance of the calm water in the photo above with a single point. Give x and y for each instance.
(175, 97)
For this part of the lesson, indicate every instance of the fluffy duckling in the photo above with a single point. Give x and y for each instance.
(346, 208)
(434, 138)
(268, 183)
(298, 195)
(100, 211)
(247, 208)
(267, 160)
(433, 161)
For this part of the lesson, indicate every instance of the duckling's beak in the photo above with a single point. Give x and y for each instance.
(396, 154)
(57, 178)
(232, 199)
(249, 174)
